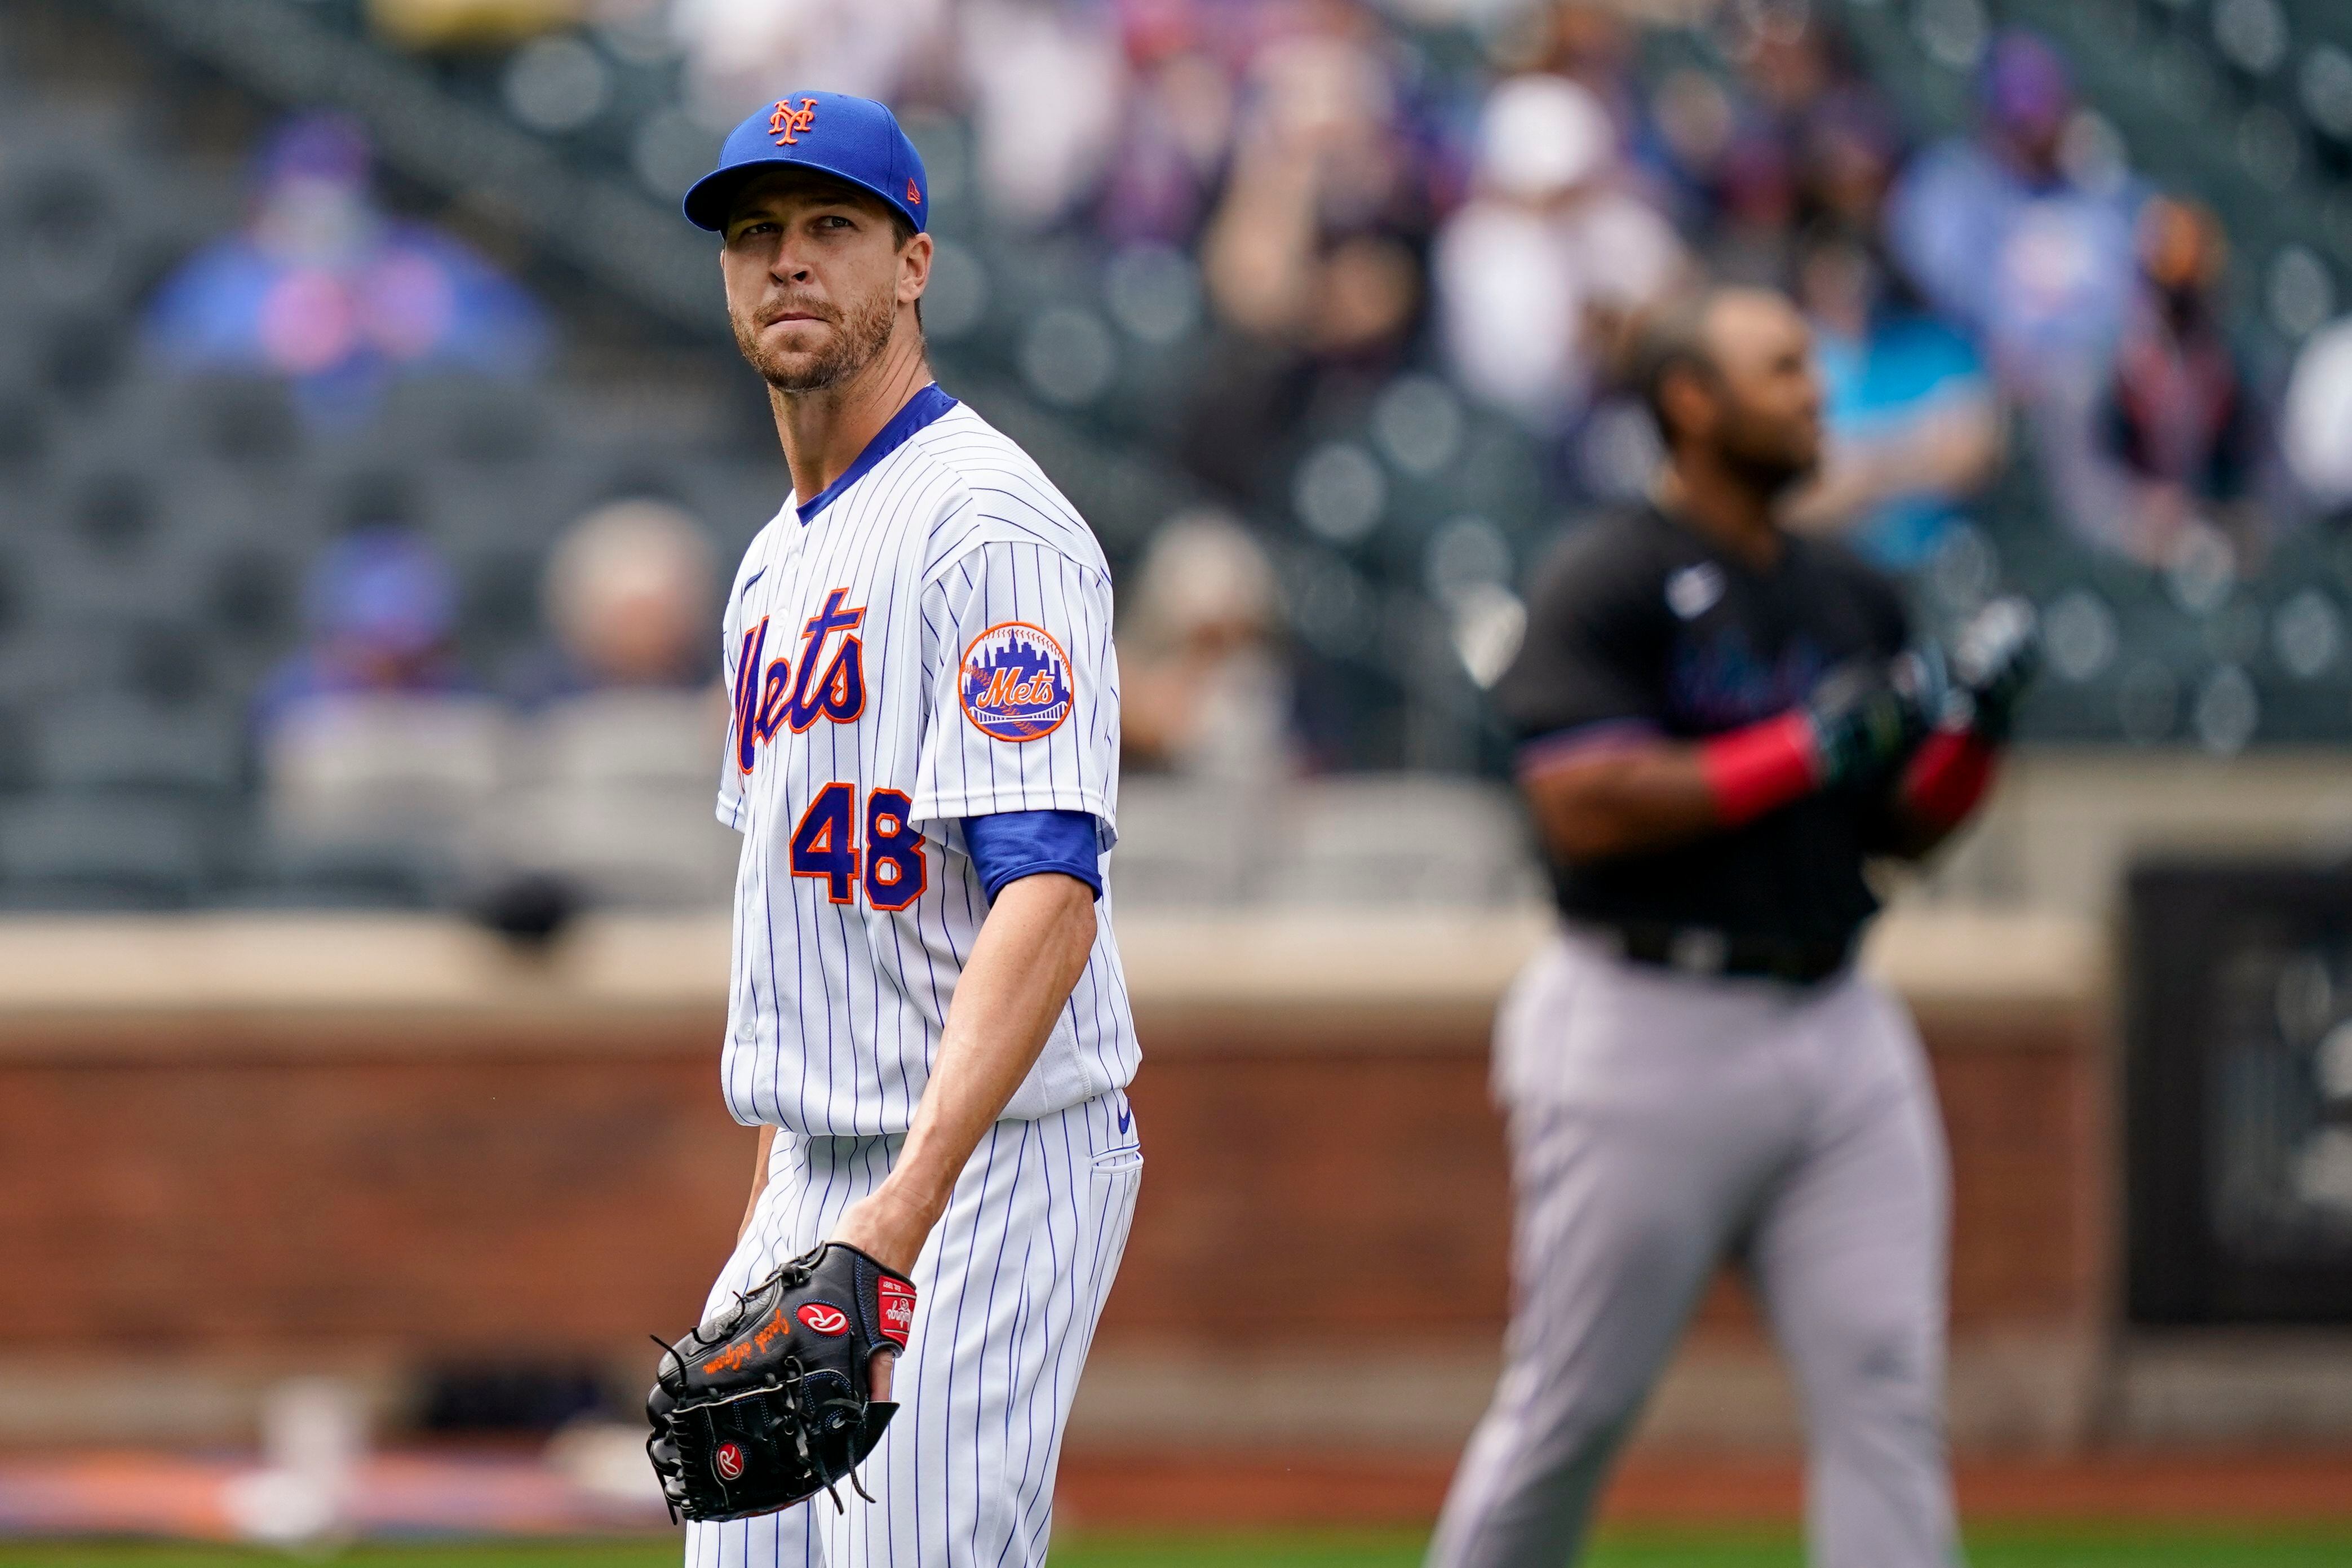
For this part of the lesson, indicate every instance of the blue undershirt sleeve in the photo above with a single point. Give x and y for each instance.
(1007, 845)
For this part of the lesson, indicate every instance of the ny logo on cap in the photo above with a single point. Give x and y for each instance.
(790, 121)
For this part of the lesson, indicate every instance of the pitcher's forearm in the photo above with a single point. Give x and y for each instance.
(1030, 952)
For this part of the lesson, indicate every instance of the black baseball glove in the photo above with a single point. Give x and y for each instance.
(772, 1403)
(1866, 716)
(1993, 660)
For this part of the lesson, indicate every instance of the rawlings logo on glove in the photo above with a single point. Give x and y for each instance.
(772, 1403)
(898, 1299)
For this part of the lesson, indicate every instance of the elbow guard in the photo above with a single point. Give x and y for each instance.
(1762, 767)
(1948, 776)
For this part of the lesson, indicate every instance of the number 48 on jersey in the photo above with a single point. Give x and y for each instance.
(826, 845)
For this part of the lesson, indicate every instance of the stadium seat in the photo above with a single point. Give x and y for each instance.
(251, 593)
(653, 739)
(1184, 845)
(347, 877)
(118, 742)
(244, 421)
(19, 764)
(24, 438)
(407, 773)
(60, 851)
(614, 792)
(633, 848)
(473, 418)
(1399, 839)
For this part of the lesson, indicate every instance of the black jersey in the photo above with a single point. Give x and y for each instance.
(1639, 625)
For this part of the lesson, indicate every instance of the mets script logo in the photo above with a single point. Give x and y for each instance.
(823, 1319)
(787, 122)
(799, 692)
(1016, 682)
(727, 1462)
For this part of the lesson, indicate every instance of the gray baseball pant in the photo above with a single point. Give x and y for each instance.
(1661, 1121)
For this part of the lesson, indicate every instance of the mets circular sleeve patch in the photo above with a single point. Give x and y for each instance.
(1016, 682)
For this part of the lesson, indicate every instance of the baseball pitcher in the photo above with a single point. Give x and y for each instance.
(928, 1021)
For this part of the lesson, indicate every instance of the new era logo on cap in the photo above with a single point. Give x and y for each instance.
(854, 139)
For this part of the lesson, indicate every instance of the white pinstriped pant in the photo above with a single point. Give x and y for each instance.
(1010, 1287)
(1660, 1121)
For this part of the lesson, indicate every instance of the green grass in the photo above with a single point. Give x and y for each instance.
(2057, 1547)
(2068, 1547)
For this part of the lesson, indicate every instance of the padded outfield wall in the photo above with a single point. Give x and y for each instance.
(238, 1147)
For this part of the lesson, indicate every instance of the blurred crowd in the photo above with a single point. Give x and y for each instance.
(1382, 209)
(1360, 200)
(1357, 200)
(583, 773)
(579, 769)
(324, 288)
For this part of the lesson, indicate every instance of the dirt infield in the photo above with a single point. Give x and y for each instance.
(1102, 1492)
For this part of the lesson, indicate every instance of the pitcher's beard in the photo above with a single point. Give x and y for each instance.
(862, 333)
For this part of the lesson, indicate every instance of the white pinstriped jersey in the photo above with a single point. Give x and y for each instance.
(932, 643)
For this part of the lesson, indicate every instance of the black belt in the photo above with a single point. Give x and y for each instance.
(1704, 949)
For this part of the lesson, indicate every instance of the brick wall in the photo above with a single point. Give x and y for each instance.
(1367, 1193)
(426, 1188)
(388, 1197)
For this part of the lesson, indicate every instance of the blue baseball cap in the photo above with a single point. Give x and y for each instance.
(852, 139)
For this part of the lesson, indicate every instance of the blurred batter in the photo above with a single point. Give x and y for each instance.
(1719, 724)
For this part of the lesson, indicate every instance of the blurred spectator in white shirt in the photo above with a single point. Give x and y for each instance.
(608, 789)
(628, 599)
(1536, 274)
(2315, 424)
(742, 53)
(1204, 691)
(1045, 83)
(1590, 42)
